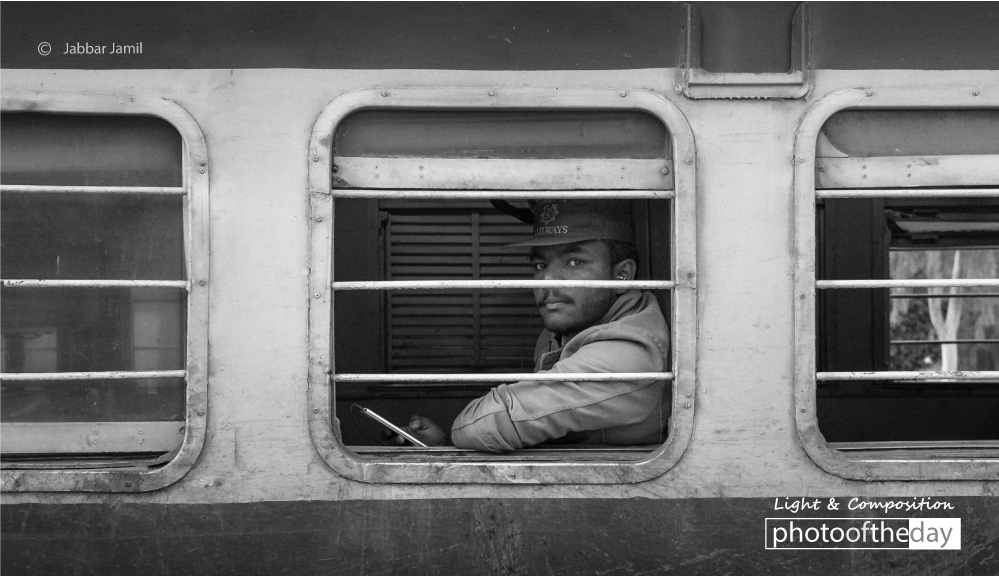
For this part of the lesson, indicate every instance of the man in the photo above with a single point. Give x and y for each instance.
(587, 330)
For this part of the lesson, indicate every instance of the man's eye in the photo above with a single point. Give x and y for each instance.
(538, 265)
(574, 262)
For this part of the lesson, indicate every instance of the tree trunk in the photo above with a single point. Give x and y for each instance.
(946, 325)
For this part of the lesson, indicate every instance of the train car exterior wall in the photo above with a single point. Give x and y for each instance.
(261, 499)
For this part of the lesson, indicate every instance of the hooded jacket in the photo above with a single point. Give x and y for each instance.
(631, 337)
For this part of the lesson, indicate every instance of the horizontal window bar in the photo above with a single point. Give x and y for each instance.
(502, 284)
(955, 283)
(117, 375)
(959, 375)
(512, 377)
(957, 295)
(919, 342)
(915, 445)
(908, 193)
(500, 194)
(178, 190)
(95, 284)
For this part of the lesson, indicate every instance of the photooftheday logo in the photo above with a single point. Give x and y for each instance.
(863, 533)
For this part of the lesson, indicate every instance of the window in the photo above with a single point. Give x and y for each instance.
(898, 290)
(429, 311)
(104, 346)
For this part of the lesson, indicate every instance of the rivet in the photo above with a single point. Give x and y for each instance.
(975, 93)
(140, 432)
(335, 169)
(491, 93)
(376, 176)
(202, 162)
(201, 412)
(183, 429)
(141, 440)
(686, 404)
(421, 176)
(315, 410)
(202, 170)
(686, 161)
(908, 165)
(664, 170)
(132, 98)
(822, 169)
(94, 432)
(128, 484)
(201, 283)
(864, 177)
(315, 158)
(689, 395)
(319, 218)
(623, 94)
(864, 166)
(622, 168)
(384, 93)
(802, 410)
(578, 168)
(908, 175)
(317, 294)
(801, 160)
(869, 93)
(421, 167)
(802, 296)
(869, 473)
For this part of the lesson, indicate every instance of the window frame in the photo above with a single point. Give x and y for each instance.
(420, 465)
(101, 476)
(960, 466)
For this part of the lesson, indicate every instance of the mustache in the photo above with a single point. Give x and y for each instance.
(551, 296)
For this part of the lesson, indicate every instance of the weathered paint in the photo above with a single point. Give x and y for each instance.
(461, 536)
(737, 37)
(260, 498)
(257, 442)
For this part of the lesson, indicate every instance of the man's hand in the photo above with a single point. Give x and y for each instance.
(424, 429)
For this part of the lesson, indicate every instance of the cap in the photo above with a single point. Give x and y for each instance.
(568, 221)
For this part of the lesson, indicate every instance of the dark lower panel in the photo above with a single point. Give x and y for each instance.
(458, 536)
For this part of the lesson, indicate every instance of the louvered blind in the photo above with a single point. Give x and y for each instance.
(449, 331)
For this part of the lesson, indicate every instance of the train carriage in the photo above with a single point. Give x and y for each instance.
(226, 227)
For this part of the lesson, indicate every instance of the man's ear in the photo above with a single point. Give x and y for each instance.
(625, 270)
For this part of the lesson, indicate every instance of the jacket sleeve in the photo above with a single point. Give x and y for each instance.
(512, 416)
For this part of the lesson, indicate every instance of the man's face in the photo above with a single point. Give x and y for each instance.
(570, 310)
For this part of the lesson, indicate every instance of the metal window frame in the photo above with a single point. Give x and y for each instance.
(56, 476)
(577, 467)
(968, 465)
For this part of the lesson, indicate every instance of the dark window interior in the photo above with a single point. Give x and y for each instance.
(880, 329)
(431, 331)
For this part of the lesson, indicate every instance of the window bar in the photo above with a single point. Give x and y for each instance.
(169, 190)
(921, 342)
(942, 283)
(907, 193)
(95, 284)
(116, 375)
(502, 284)
(506, 377)
(396, 193)
(966, 375)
